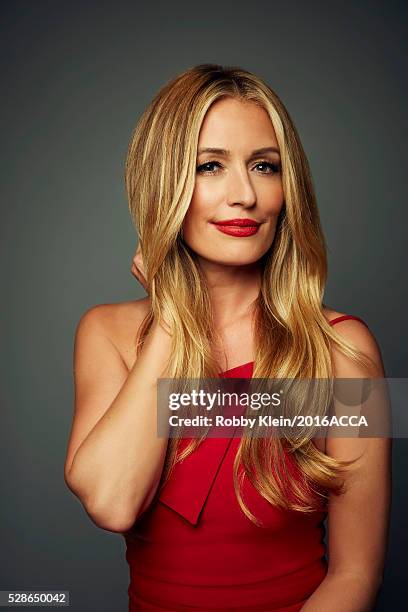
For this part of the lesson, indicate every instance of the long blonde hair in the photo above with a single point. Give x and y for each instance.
(292, 336)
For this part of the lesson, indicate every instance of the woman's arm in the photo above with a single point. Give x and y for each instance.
(358, 519)
(115, 458)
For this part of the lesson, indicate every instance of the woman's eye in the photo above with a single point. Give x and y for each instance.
(271, 168)
(207, 168)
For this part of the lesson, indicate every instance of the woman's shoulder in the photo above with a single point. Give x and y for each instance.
(119, 322)
(331, 314)
(357, 332)
(117, 316)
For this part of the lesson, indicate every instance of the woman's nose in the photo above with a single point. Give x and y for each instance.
(240, 189)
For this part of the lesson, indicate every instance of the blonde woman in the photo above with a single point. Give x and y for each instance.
(233, 259)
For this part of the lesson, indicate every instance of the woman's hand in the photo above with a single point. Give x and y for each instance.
(138, 271)
(137, 268)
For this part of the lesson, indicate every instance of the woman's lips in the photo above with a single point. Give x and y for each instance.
(236, 230)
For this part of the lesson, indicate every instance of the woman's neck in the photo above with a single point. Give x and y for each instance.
(232, 289)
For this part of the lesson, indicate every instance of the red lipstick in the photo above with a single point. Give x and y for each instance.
(237, 227)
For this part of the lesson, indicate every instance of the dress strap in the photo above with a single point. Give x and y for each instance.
(345, 317)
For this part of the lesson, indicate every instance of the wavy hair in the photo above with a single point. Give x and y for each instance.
(292, 337)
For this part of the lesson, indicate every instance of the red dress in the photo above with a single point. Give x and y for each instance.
(194, 549)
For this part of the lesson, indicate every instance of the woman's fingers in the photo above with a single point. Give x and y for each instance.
(137, 267)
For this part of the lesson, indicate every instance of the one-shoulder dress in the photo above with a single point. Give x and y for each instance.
(194, 550)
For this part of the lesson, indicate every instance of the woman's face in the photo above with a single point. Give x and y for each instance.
(235, 181)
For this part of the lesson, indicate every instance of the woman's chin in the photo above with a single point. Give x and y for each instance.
(233, 260)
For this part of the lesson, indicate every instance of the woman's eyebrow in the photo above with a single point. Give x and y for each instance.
(227, 153)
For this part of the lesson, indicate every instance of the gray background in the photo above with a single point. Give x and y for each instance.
(75, 78)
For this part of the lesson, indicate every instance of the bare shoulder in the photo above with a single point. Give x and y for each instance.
(116, 318)
(118, 322)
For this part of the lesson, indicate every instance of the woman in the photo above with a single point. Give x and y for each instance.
(233, 259)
